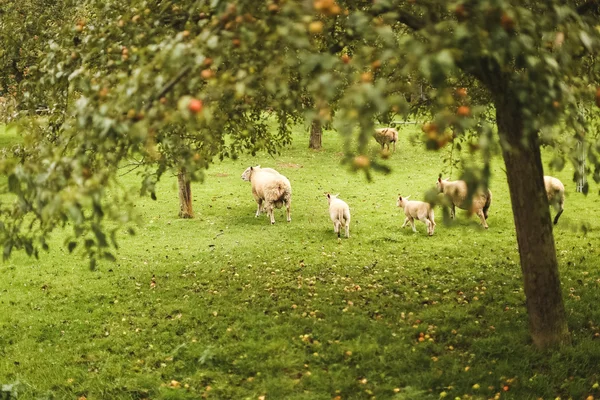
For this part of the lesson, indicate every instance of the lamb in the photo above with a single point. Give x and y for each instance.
(555, 191)
(457, 192)
(385, 136)
(419, 210)
(339, 213)
(271, 188)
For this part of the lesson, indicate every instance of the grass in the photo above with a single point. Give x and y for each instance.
(226, 306)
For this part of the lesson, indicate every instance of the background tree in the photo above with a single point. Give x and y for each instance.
(137, 73)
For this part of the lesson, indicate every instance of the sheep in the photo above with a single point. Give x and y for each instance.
(385, 136)
(271, 188)
(419, 210)
(339, 213)
(555, 191)
(457, 192)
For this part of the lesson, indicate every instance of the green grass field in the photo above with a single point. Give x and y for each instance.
(240, 309)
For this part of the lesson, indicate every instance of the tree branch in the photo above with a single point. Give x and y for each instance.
(168, 87)
(411, 21)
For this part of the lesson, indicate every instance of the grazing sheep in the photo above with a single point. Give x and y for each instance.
(457, 192)
(271, 188)
(385, 136)
(339, 213)
(419, 210)
(555, 191)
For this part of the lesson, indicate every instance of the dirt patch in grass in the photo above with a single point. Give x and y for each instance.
(289, 165)
(220, 175)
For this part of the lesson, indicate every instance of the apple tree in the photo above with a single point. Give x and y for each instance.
(172, 85)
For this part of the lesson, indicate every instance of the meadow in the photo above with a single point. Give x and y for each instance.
(226, 306)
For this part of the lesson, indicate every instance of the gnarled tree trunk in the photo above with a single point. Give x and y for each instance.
(185, 194)
(545, 308)
(316, 133)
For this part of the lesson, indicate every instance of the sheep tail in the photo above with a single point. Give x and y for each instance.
(488, 202)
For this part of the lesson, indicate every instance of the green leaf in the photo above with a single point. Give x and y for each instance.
(586, 40)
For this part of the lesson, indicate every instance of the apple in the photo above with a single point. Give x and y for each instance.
(195, 106)
(463, 111)
(507, 22)
(366, 77)
(460, 12)
(315, 27)
(461, 92)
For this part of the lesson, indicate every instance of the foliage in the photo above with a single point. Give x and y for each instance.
(118, 79)
(224, 306)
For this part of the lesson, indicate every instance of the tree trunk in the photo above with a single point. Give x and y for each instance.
(316, 133)
(545, 308)
(185, 195)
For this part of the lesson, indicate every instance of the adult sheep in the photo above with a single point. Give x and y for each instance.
(385, 136)
(420, 210)
(457, 193)
(555, 191)
(270, 189)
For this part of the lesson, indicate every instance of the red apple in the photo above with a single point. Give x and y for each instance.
(195, 106)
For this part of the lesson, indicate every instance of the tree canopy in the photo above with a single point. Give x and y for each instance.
(162, 85)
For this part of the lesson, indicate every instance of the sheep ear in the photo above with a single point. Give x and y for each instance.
(399, 197)
(328, 196)
(440, 179)
(406, 198)
(251, 168)
(337, 195)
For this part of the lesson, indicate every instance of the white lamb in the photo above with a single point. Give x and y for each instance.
(420, 210)
(270, 188)
(457, 192)
(385, 136)
(555, 191)
(339, 213)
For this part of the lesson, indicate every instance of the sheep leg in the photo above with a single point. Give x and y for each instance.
(288, 206)
(259, 208)
(429, 227)
(405, 222)
(347, 230)
(412, 224)
(482, 218)
(270, 213)
(336, 228)
(394, 147)
(452, 211)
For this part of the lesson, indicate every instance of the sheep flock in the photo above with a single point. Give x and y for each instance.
(271, 190)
